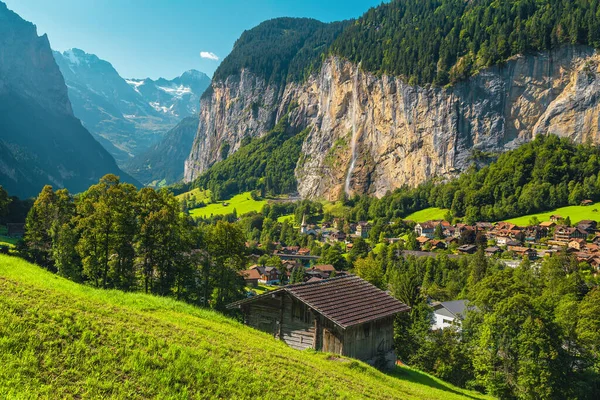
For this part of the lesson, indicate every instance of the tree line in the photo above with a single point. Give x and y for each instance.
(113, 236)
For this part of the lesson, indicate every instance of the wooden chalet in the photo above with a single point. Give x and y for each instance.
(251, 277)
(344, 315)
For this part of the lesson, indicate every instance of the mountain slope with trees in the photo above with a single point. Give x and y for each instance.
(444, 41)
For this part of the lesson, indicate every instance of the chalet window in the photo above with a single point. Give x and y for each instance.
(447, 321)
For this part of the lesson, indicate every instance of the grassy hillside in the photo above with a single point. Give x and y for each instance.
(242, 204)
(59, 339)
(428, 214)
(576, 213)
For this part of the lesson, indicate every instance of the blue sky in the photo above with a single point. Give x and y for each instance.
(163, 38)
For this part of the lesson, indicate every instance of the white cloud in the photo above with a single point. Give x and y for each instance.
(209, 55)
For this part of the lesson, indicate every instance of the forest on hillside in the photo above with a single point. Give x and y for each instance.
(264, 164)
(435, 42)
(542, 175)
(444, 41)
(280, 50)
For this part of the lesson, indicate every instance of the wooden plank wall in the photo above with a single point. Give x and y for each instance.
(298, 333)
(369, 340)
(263, 315)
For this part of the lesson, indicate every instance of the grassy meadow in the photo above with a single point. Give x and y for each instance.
(427, 214)
(242, 203)
(59, 339)
(576, 213)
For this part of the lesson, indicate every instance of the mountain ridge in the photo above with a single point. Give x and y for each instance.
(41, 141)
(127, 116)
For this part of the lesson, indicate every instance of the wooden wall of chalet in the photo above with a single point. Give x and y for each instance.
(369, 341)
(297, 329)
(263, 315)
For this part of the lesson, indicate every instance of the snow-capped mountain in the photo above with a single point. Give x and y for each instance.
(127, 116)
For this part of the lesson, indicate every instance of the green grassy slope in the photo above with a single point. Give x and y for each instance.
(427, 214)
(576, 213)
(59, 339)
(242, 203)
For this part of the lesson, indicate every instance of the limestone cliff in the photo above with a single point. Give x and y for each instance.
(372, 134)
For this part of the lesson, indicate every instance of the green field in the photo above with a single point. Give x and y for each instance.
(576, 213)
(242, 203)
(197, 194)
(289, 218)
(59, 339)
(428, 214)
(336, 209)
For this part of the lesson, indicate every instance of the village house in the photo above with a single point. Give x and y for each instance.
(425, 229)
(564, 234)
(362, 229)
(343, 315)
(588, 226)
(325, 269)
(492, 251)
(587, 202)
(268, 275)
(437, 244)
(548, 224)
(556, 218)
(422, 240)
(523, 251)
(448, 313)
(337, 237)
(502, 240)
(251, 277)
(467, 249)
(533, 234)
(577, 244)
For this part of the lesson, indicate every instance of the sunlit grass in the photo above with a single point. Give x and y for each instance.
(242, 204)
(427, 214)
(575, 213)
(59, 339)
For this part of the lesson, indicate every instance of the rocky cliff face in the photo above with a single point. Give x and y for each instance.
(373, 134)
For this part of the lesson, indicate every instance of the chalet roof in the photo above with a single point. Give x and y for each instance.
(346, 300)
(455, 307)
(547, 224)
(250, 274)
(423, 239)
(324, 267)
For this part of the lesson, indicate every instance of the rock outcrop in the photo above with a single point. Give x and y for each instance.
(372, 134)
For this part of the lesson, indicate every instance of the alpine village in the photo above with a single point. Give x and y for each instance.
(402, 202)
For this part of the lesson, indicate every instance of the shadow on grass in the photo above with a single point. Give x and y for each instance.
(410, 375)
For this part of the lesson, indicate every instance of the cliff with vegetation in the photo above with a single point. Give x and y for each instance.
(377, 120)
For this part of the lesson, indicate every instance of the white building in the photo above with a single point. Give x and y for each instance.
(448, 313)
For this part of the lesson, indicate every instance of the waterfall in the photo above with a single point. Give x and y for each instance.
(354, 134)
